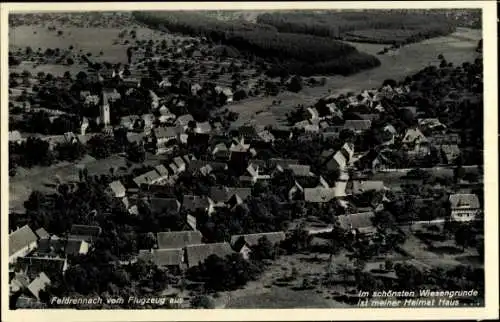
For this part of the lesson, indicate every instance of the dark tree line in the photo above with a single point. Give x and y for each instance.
(339, 24)
(298, 53)
(235, 270)
(41, 122)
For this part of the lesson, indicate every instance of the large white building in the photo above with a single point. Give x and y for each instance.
(464, 207)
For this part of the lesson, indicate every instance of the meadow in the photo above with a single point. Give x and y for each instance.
(83, 41)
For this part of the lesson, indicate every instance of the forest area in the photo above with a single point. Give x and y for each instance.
(394, 27)
(295, 52)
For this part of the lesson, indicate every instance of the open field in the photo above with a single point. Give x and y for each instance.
(83, 42)
(264, 294)
(283, 298)
(445, 254)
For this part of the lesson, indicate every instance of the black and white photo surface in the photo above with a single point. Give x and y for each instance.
(246, 159)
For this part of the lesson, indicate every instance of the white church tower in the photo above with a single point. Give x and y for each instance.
(104, 116)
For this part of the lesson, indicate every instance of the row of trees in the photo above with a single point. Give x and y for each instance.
(37, 152)
(461, 277)
(41, 122)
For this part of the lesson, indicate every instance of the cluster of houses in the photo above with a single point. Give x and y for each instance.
(179, 250)
(417, 142)
(36, 257)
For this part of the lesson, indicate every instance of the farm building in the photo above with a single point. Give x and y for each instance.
(76, 247)
(147, 178)
(464, 207)
(52, 266)
(161, 205)
(244, 243)
(360, 186)
(357, 126)
(359, 224)
(319, 194)
(39, 284)
(21, 243)
(197, 254)
(178, 239)
(450, 152)
(192, 203)
(85, 232)
(220, 196)
(42, 233)
(117, 189)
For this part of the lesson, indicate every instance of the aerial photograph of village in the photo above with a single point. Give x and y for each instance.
(246, 159)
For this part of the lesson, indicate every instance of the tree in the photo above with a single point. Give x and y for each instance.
(263, 250)
(479, 47)
(458, 172)
(129, 54)
(367, 282)
(101, 146)
(480, 248)
(463, 236)
(298, 240)
(202, 302)
(236, 271)
(146, 241)
(25, 74)
(271, 88)
(295, 84)
(384, 220)
(239, 95)
(389, 265)
(69, 151)
(136, 153)
(346, 135)
(35, 152)
(81, 76)
(306, 284)
(389, 82)
(409, 277)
